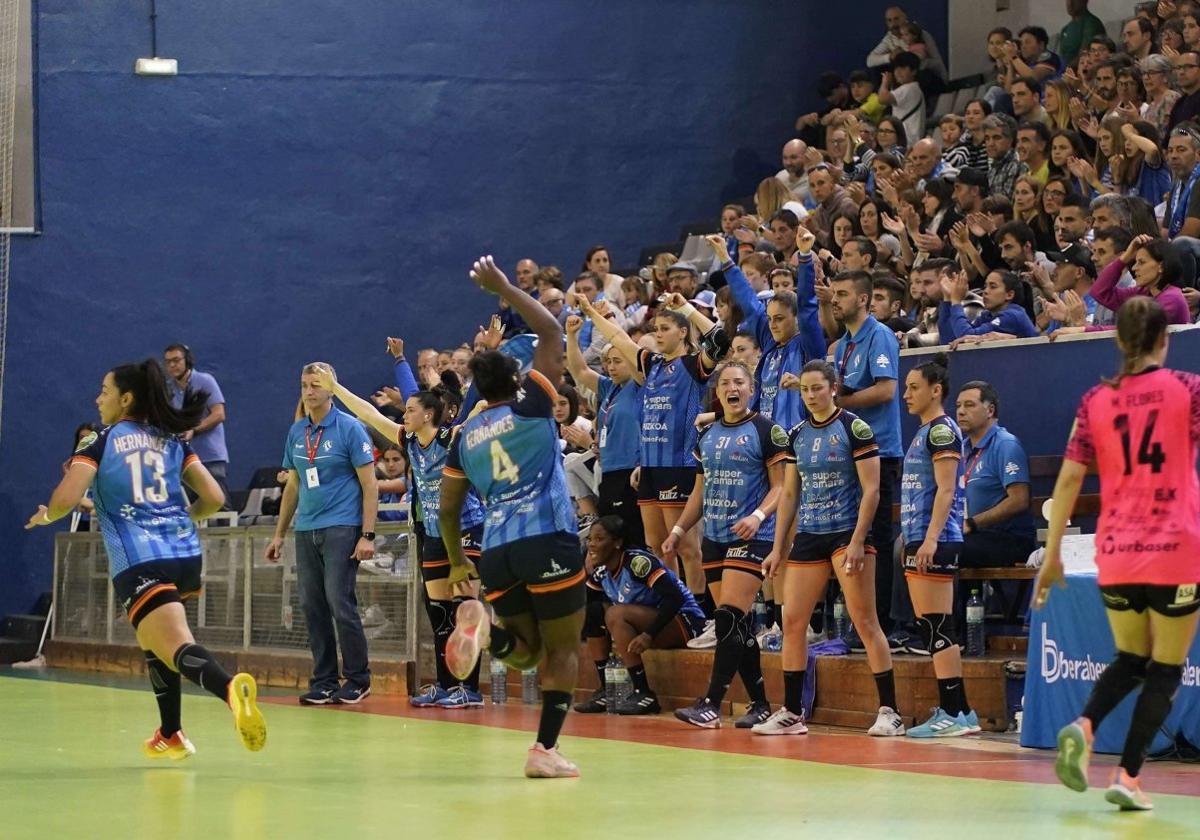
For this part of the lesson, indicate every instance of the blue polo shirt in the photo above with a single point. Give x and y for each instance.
(861, 360)
(209, 446)
(998, 462)
(1012, 319)
(341, 446)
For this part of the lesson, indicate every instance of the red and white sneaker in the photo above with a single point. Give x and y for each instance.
(1126, 792)
(176, 747)
(472, 632)
(545, 763)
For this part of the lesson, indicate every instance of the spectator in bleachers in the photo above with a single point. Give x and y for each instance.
(637, 300)
(769, 197)
(1026, 97)
(1108, 243)
(1079, 31)
(1187, 76)
(1170, 36)
(1064, 145)
(555, 302)
(924, 164)
(864, 98)
(1111, 210)
(833, 89)
(1027, 208)
(683, 279)
(1137, 38)
(1029, 56)
(1156, 272)
(1101, 49)
(998, 528)
(1071, 222)
(1056, 102)
(1103, 96)
(1160, 96)
(1182, 214)
(1072, 304)
(832, 201)
(783, 232)
(975, 152)
(792, 175)
(950, 134)
(1144, 172)
(1000, 134)
(887, 246)
(782, 279)
(1033, 146)
(895, 42)
(1003, 317)
(900, 90)
(208, 438)
(392, 466)
(887, 302)
(1053, 194)
(597, 263)
(1131, 89)
(970, 189)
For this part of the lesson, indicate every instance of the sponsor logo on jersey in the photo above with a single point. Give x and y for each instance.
(857, 359)
(882, 361)
(941, 434)
(555, 570)
(1110, 546)
(127, 511)
(1185, 594)
(742, 440)
(778, 436)
(639, 565)
(860, 429)
(366, 447)
(1011, 468)
(327, 446)
(737, 551)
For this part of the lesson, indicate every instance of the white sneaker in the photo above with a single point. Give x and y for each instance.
(783, 722)
(767, 632)
(812, 636)
(543, 763)
(707, 639)
(887, 723)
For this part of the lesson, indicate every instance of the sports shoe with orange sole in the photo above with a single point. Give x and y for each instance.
(247, 719)
(176, 748)
(545, 763)
(471, 634)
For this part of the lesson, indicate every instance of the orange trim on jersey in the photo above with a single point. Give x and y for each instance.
(147, 595)
(183, 596)
(655, 575)
(941, 456)
(782, 456)
(545, 383)
(556, 586)
(872, 448)
(472, 553)
(929, 576)
(743, 566)
(492, 596)
(452, 473)
(792, 562)
(667, 504)
(83, 459)
(713, 564)
(434, 564)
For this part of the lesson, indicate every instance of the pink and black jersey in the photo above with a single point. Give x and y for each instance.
(1143, 435)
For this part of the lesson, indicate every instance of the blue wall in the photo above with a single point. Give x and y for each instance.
(321, 174)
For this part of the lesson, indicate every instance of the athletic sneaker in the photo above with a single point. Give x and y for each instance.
(702, 713)
(941, 725)
(247, 719)
(971, 721)
(774, 629)
(460, 697)
(898, 641)
(1126, 792)
(472, 631)
(429, 695)
(707, 639)
(595, 705)
(783, 722)
(352, 694)
(813, 636)
(854, 641)
(917, 646)
(639, 703)
(887, 723)
(1074, 753)
(318, 697)
(545, 763)
(175, 748)
(584, 522)
(757, 713)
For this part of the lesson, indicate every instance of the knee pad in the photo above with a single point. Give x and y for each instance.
(160, 674)
(1162, 680)
(937, 631)
(1129, 666)
(441, 616)
(728, 622)
(747, 631)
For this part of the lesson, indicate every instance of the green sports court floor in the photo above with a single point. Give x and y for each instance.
(70, 766)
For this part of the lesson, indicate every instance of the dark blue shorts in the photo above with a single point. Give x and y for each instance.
(740, 556)
(542, 575)
(435, 562)
(143, 588)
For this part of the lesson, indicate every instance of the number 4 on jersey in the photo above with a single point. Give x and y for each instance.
(503, 468)
(1150, 452)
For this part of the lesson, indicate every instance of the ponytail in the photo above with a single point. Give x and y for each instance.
(937, 372)
(1141, 325)
(151, 405)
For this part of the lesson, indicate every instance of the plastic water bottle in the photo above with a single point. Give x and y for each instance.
(975, 634)
(841, 623)
(529, 686)
(762, 621)
(499, 679)
(610, 685)
(623, 687)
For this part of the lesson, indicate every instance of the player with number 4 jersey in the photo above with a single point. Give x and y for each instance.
(1142, 430)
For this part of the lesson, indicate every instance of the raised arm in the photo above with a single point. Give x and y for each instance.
(812, 335)
(548, 355)
(362, 409)
(576, 366)
(624, 344)
(406, 382)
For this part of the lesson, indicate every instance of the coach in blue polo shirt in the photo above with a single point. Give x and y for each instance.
(332, 492)
(867, 359)
(998, 530)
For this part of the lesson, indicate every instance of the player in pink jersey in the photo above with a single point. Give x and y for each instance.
(1142, 429)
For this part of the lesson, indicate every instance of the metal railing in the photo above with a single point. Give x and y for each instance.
(247, 603)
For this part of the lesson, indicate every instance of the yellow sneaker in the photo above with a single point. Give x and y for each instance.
(247, 719)
(176, 747)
